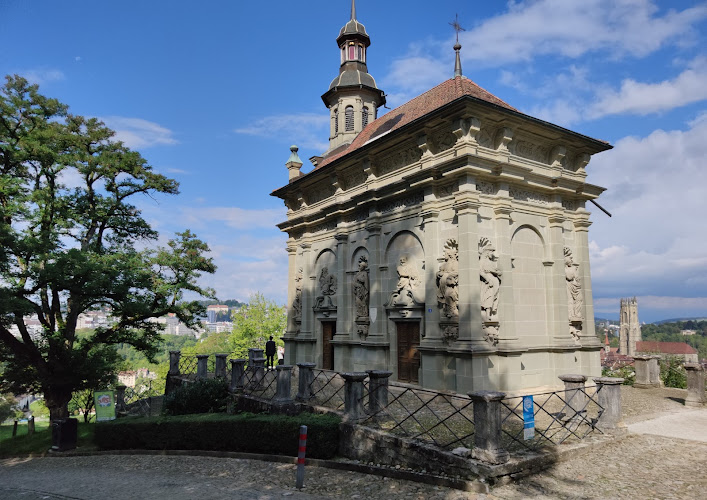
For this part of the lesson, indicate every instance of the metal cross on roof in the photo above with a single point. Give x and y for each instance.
(457, 27)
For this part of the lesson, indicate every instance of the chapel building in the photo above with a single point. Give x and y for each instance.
(445, 241)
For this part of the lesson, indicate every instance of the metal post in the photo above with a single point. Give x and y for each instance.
(300, 456)
(306, 377)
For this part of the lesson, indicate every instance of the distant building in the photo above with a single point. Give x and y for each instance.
(629, 328)
(688, 332)
(213, 311)
(681, 349)
(129, 378)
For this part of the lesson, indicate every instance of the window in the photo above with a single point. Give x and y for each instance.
(352, 52)
(360, 53)
(336, 121)
(365, 116)
(349, 119)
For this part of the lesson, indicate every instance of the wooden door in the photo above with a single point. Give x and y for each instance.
(408, 355)
(328, 331)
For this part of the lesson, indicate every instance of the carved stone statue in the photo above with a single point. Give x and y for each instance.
(362, 289)
(297, 302)
(408, 280)
(327, 288)
(490, 275)
(575, 300)
(448, 281)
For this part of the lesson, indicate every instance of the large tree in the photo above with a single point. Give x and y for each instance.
(71, 240)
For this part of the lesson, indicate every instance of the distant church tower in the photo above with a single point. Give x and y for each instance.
(630, 328)
(353, 97)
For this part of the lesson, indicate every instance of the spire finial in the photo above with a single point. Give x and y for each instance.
(457, 46)
(353, 10)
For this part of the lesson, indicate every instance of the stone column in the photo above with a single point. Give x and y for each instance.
(307, 326)
(202, 366)
(467, 205)
(643, 372)
(575, 397)
(220, 366)
(433, 248)
(581, 241)
(344, 321)
(306, 377)
(119, 399)
(284, 385)
(487, 427)
(507, 336)
(378, 318)
(174, 357)
(257, 373)
(695, 385)
(353, 396)
(377, 390)
(254, 353)
(237, 372)
(291, 286)
(609, 398)
(654, 371)
(558, 301)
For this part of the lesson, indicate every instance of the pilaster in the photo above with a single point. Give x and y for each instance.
(377, 312)
(291, 286)
(431, 242)
(343, 291)
(502, 210)
(558, 301)
(581, 233)
(307, 327)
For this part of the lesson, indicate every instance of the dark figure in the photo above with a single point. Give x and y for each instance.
(270, 352)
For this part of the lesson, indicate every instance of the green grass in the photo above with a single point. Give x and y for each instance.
(40, 442)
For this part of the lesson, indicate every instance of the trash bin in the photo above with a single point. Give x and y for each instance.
(64, 434)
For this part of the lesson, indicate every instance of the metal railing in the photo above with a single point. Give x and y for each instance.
(260, 383)
(559, 416)
(440, 418)
(327, 389)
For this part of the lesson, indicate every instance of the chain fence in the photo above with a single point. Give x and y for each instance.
(559, 417)
(443, 419)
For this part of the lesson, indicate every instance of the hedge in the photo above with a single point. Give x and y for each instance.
(246, 432)
(202, 396)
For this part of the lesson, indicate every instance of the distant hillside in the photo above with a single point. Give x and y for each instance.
(676, 320)
(230, 303)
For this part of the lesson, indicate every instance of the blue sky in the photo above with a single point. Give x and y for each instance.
(213, 94)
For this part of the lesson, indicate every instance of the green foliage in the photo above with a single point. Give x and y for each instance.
(202, 396)
(39, 409)
(672, 372)
(38, 444)
(671, 332)
(272, 434)
(628, 373)
(255, 323)
(65, 250)
(8, 407)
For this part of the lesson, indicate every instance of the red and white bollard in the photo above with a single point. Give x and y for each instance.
(300, 456)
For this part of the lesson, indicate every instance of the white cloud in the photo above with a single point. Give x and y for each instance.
(655, 242)
(137, 133)
(643, 98)
(414, 74)
(233, 217)
(533, 28)
(42, 76)
(304, 129)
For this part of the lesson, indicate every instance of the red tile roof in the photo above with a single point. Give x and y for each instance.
(442, 94)
(664, 347)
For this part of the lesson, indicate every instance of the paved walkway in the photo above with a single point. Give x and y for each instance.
(646, 465)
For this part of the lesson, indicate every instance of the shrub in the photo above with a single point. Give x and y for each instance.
(202, 396)
(628, 373)
(672, 372)
(246, 432)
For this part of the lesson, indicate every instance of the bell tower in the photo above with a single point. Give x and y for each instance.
(629, 327)
(353, 97)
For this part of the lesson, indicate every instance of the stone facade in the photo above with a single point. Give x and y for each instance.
(465, 233)
(629, 327)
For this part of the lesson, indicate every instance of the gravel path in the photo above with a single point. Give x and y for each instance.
(636, 466)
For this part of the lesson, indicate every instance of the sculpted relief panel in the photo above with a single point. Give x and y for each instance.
(399, 159)
(448, 281)
(490, 276)
(575, 299)
(529, 196)
(532, 151)
(408, 201)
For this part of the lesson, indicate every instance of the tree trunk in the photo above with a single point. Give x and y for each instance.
(57, 400)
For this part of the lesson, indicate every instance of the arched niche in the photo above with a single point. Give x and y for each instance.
(405, 253)
(529, 284)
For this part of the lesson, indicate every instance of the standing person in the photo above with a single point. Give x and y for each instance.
(270, 351)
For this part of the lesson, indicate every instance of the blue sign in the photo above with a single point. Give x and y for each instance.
(528, 418)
